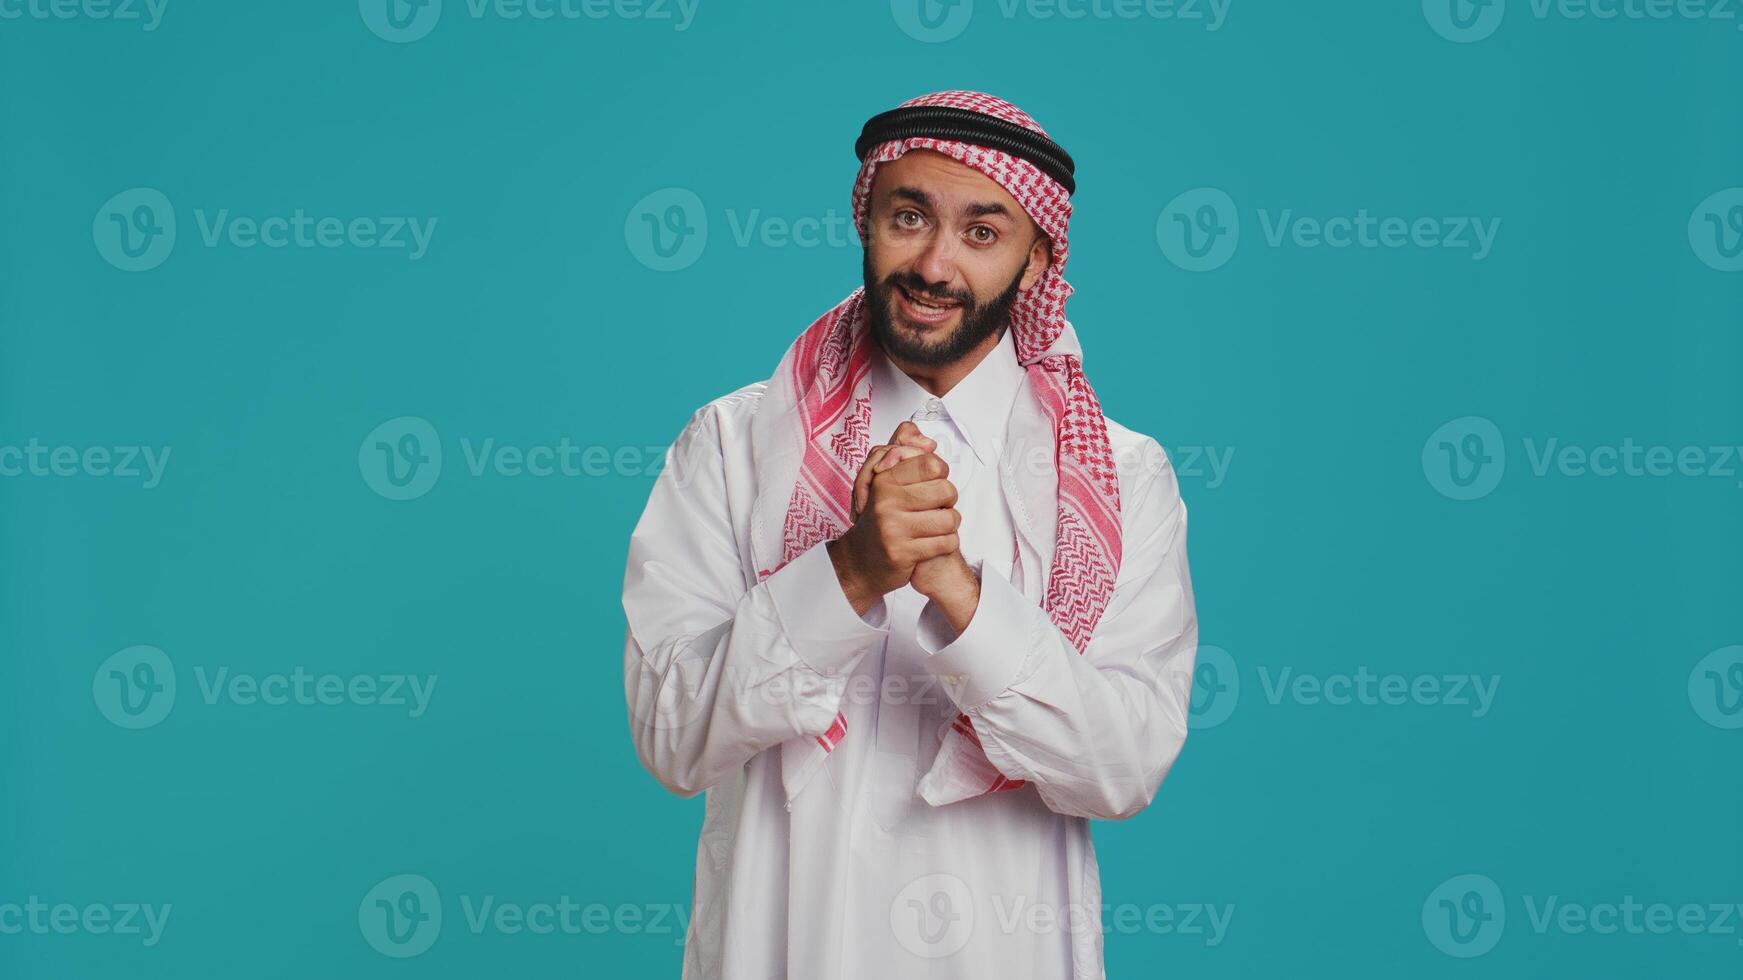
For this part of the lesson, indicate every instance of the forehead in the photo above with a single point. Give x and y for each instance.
(951, 184)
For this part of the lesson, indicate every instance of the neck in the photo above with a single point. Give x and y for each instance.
(938, 379)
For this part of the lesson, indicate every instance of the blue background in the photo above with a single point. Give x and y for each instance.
(1327, 547)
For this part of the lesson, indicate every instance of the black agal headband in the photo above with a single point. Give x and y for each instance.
(967, 126)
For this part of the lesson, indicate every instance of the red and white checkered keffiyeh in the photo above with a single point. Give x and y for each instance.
(827, 369)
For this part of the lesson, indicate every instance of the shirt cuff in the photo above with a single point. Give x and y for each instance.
(982, 661)
(819, 621)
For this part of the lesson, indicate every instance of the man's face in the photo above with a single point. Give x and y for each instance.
(949, 250)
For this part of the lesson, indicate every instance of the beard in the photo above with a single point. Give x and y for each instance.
(979, 320)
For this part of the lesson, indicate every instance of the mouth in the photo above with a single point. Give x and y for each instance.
(926, 310)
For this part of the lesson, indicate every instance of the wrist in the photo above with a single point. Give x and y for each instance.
(859, 595)
(960, 597)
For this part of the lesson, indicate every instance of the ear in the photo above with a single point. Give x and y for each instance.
(1040, 257)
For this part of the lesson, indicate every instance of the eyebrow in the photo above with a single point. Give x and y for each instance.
(979, 209)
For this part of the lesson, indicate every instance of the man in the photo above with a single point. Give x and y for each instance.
(907, 674)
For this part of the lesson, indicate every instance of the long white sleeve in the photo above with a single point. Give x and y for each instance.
(715, 672)
(1095, 732)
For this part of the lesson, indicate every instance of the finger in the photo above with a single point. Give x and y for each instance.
(862, 482)
(932, 523)
(925, 495)
(934, 547)
(909, 434)
(917, 469)
(896, 454)
(871, 460)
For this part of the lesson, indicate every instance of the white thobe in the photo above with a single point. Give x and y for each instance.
(859, 878)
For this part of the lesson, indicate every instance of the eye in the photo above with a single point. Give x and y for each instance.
(909, 218)
(982, 235)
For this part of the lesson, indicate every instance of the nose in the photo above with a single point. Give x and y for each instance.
(936, 262)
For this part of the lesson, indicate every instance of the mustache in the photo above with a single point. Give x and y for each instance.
(918, 287)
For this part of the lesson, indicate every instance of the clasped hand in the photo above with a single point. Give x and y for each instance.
(904, 530)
